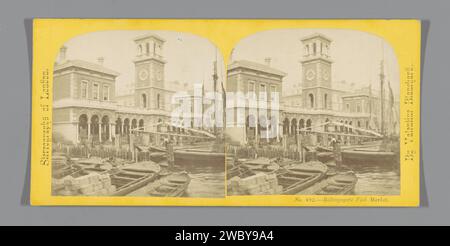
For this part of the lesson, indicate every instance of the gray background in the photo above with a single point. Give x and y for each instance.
(15, 108)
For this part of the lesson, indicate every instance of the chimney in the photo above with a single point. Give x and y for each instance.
(62, 54)
(267, 61)
(100, 60)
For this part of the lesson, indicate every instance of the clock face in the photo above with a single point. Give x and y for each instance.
(310, 74)
(143, 74)
(325, 74)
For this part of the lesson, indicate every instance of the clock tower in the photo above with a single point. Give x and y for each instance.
(149, 72)
(316, 72)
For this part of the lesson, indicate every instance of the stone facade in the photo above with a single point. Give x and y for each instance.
(85, 108)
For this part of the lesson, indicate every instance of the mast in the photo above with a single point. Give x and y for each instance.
(215, 77)
(203, 102)
(382, 130)
(370, 104)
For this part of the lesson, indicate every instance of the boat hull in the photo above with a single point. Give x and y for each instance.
(199, 158)
(136, 185)
(300, 177)
(173, 185)
(368, 157)
(338, 184)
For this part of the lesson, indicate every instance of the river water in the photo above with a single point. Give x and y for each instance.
(372, 180)
(206, 181)
(377, 180)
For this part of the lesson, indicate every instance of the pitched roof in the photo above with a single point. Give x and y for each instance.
(86, 65)
(256, 66)
(316, 35)
(149, 35)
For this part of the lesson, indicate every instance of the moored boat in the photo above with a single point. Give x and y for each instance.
(158, 156)
(339, 184)
(134, 176)
(301, 176)
(172, 185)
(236, 169)
(369, 153)
(261, 165)
(198, 157)
(367, 156)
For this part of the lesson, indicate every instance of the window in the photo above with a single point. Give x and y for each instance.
(144, 100)
(105, 93)
(84, 89)
(311, 100)
(358, 108)
(273, 90)
(251, 89)
(263, 92)
(251, 86)
(348, 107)
(158, 101)
(325, 101)
(95, 92)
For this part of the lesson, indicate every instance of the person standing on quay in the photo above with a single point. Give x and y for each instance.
(337, 152)
(170, 154)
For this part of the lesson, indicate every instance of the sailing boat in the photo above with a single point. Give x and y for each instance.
(214, 153)
(384, 150)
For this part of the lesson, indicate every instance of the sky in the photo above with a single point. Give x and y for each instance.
(356, 55)
(189, 57)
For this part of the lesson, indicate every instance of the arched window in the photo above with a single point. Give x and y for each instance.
(311, 100)
(139, 50)
(294, 126)
(95, 128)
(147, 45)
(83, 127)
(301, 125)
(144, 100)
(126, 126)
(325, 101)
(286, 126)
(309, 125)
(158, 101)
(119, 126)
(134, 124)
(105, 128)
(141, 124)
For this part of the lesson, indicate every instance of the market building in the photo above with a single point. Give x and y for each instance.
(317, 101)
(85, 106)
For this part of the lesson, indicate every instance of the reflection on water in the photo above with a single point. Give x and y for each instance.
(206, 181)
(377, 180)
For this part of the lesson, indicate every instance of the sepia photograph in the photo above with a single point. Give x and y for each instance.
(319, 114)
(115, 127)
(301, 112)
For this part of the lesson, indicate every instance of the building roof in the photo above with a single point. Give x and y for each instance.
(256, 66)
(86, 65)
(149, 35)
(316, 35)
